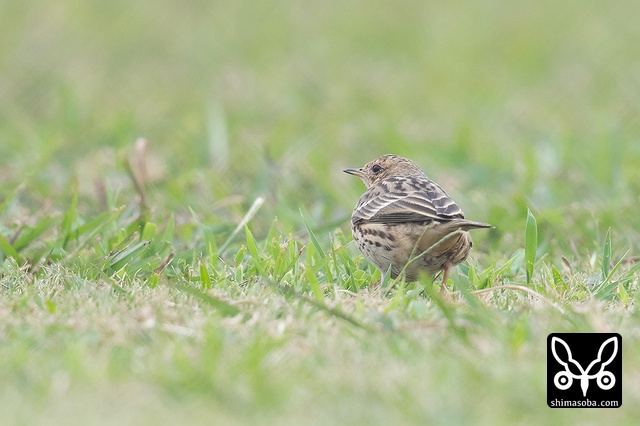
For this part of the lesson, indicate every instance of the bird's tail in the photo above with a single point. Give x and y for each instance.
(465, 224)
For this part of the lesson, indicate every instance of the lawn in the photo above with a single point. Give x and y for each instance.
(174, 220)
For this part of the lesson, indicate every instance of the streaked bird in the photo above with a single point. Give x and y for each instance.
(406, 223)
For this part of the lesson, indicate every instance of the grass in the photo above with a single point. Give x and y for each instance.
(206, 272)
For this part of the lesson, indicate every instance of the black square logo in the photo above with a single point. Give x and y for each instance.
(584, 370)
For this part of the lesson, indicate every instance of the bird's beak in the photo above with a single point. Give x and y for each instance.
(356, 172)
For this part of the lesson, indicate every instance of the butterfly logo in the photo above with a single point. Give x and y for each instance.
(564, 379)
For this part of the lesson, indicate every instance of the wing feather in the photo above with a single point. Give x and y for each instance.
(406, 199)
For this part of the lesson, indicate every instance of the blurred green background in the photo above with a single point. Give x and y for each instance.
(535, 101)
(508, 105)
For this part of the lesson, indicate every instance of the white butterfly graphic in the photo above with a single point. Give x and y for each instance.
(564, 379)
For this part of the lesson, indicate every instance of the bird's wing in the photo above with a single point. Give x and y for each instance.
(406, 199)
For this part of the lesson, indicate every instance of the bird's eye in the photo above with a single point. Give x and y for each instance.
(376, 168)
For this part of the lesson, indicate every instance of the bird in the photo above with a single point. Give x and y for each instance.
(406, 223)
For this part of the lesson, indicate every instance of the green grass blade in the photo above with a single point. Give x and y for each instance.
(559, 283)
(257, 203)
(204, 276)
(606, 289)
(318, 248)
(531, 244)
(149, 231)
(169, 228)
(312, 237)
(606, 256)
(69, 218)
(207, 233)
(123, 257)
(252, 247)
(30, 235)
(316, 289)
(9, 250)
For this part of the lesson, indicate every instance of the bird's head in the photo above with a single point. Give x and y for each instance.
(385, 167)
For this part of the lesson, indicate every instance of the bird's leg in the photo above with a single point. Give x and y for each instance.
(445, 277)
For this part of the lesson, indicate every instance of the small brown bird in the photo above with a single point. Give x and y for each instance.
(405, 222)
